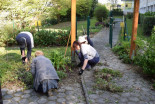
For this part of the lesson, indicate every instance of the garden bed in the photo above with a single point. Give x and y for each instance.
(14, 75)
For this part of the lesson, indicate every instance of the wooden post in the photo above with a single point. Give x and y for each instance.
(73, 24)
(134, 28)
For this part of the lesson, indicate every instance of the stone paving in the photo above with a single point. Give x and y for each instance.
(66, 94)
(136, 90)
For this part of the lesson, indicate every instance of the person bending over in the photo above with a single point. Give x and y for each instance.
(44, 74)
(83, 40)
(89, 57)
(25, 39)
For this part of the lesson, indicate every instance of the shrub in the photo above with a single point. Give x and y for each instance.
(8, 34)
(50, 38)
(147, 59)
(122, 50)
(101, 12)
(59, 61)
(148, 23)
(117, 12)
(149, 13)
(141, 18)
(83, 7)
(130, 15)
(61, 74)
(48, 22)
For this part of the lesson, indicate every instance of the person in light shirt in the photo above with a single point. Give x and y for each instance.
(89, 56)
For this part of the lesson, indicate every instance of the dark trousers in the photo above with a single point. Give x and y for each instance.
(91, 62)
(28, 51)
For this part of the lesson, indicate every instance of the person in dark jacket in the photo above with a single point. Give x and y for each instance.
(25, 39)
(45, 76)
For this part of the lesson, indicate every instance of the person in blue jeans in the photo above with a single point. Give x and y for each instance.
(89, 57)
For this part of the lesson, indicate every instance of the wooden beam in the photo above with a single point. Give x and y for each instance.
(134, 28)
(73, 24)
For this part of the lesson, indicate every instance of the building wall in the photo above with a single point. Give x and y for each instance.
(129, 8)
(147, 5)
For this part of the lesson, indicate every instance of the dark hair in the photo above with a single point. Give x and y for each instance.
(76, 43)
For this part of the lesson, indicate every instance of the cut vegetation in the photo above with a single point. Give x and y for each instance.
(104, 80)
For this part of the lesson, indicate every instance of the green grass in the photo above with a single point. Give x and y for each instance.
(13, 73)
(81, 25)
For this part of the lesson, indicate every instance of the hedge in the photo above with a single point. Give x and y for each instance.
(117, 12)
(148, 23)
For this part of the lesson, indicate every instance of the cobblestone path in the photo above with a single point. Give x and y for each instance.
(136, 89)
(70, 92)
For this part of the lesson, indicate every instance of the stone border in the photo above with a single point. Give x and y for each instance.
(84, 90)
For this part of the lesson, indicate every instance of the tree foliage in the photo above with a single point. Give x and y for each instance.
(83, 7)
(101, 12)
(59, 7)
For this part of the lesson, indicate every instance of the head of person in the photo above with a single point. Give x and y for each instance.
(39, 53)
(82, 39)
(76, 45)
(22, 43)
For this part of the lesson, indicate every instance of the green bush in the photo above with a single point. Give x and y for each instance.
(50, 38)
(83, 7)
(149, 14)
(122, 50)
(61, 74)
(147, 59)
(8, 34)
(59, 61)
(148, 23)
(101, 12)
(117, 12)
(130, 15)
(48, 22)
(141, 18)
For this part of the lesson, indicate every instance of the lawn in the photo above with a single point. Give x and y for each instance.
(81, 26)
(13, 73)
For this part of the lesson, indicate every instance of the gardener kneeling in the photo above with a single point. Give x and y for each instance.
(89, 54)
(45, 76)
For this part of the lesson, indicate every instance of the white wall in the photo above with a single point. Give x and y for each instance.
(147, 5)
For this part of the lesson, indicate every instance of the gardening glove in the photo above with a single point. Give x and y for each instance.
(81, 71)
(23, 60)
